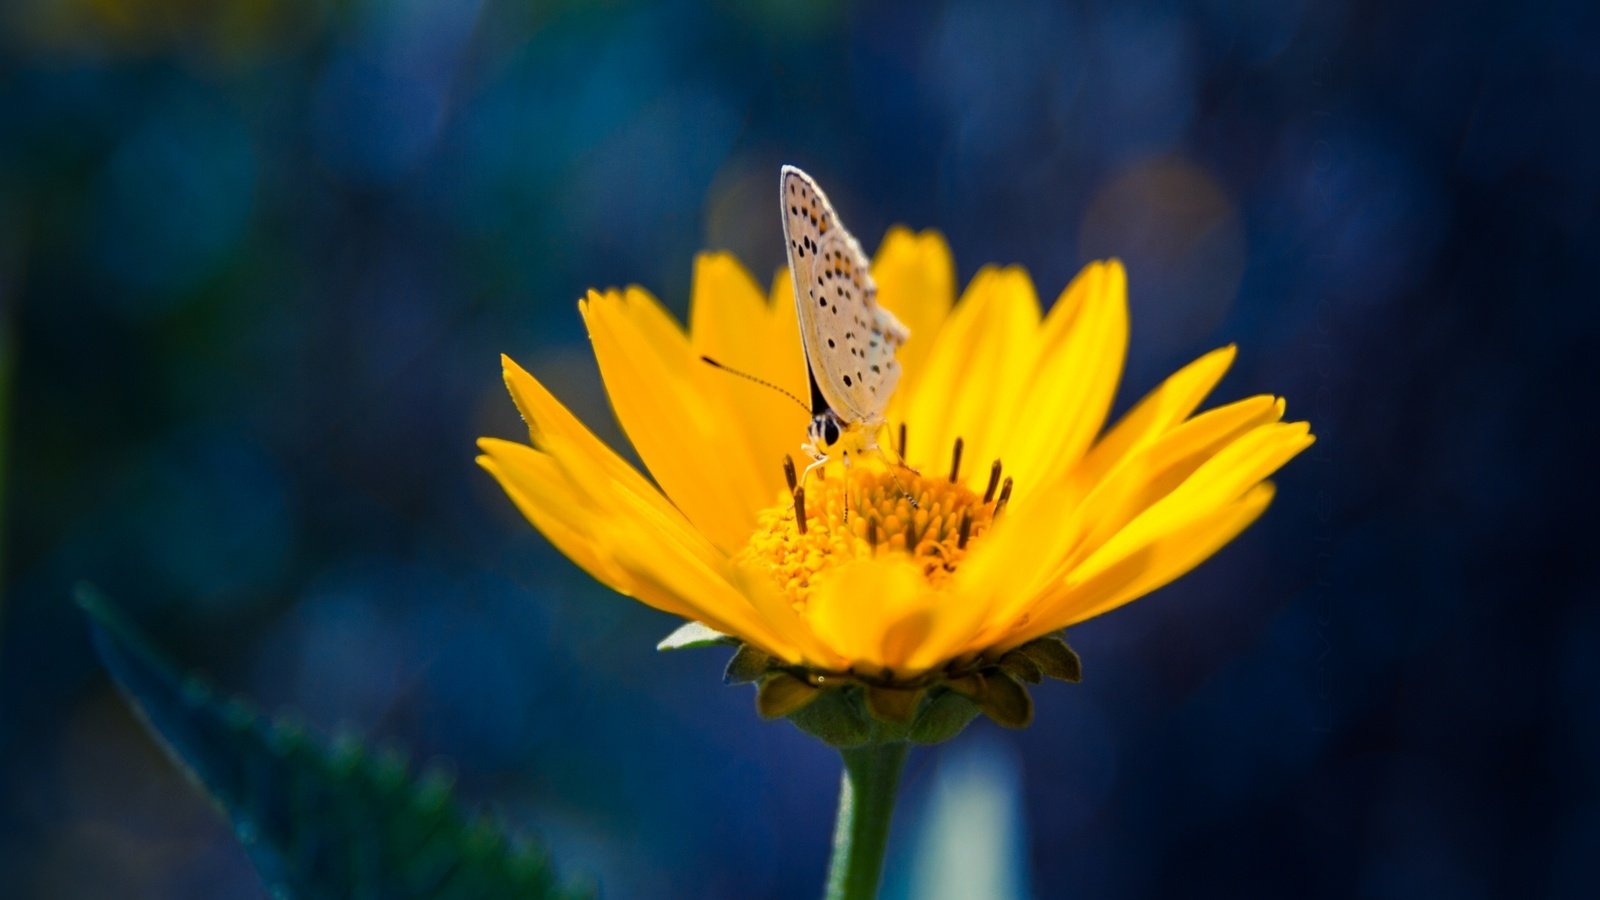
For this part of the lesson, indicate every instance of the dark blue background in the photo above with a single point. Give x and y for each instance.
(257, 262)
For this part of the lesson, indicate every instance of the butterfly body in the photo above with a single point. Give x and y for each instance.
(849, 340)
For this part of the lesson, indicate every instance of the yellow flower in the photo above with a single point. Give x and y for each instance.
(1013, 517)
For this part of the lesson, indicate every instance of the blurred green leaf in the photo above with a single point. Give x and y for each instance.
(7, 360)
(318, 820)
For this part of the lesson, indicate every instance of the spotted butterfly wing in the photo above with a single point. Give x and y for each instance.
(850, 340)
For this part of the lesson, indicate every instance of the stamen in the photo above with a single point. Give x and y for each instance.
(994, 481)
(902, 442)
(1005, 496)
(955, 462)
(788, 473)
(799, 540)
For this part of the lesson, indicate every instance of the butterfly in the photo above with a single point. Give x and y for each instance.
(849, 340)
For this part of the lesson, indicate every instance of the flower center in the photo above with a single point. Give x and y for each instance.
(867, 510)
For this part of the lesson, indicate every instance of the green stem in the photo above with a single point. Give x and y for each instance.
(861, 834)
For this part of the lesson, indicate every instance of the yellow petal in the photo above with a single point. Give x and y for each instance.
(680, 433)
(727, 311)
(858, 609)
(1161, 409)
(539, 488)
(1015, 561)
(582, 497)
(709, 590)
(1039, 544)
(534, 485)
(965, 604)
(1081, 350)
(611, 499)
(731, 322)
(620, 540)
(1141, 478)
(1219, 481)
(778, 611)
(548, 420)
(1151, 567)
(916, 281)
(975, 375)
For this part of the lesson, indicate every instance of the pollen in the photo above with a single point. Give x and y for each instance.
(866, 511)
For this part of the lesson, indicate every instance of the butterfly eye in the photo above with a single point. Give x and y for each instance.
(830, 432)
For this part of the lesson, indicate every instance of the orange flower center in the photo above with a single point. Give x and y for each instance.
(867, 510)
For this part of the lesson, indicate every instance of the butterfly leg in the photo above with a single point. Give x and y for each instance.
(895, 461)
(894, 455)
(845, 519)
(818, 460)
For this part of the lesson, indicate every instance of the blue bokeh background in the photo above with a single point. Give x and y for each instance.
(257, 261)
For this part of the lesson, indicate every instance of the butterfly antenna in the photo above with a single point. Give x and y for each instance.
(761, 381)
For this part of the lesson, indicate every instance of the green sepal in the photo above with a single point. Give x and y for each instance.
(892, 705)
(780, 694)
(694, 634)
(1006, 701)
(317, 820)
(1021, 666)
(970, 685)
(1054, 658)
(835, 718)
(746, 665)
(943, 718)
